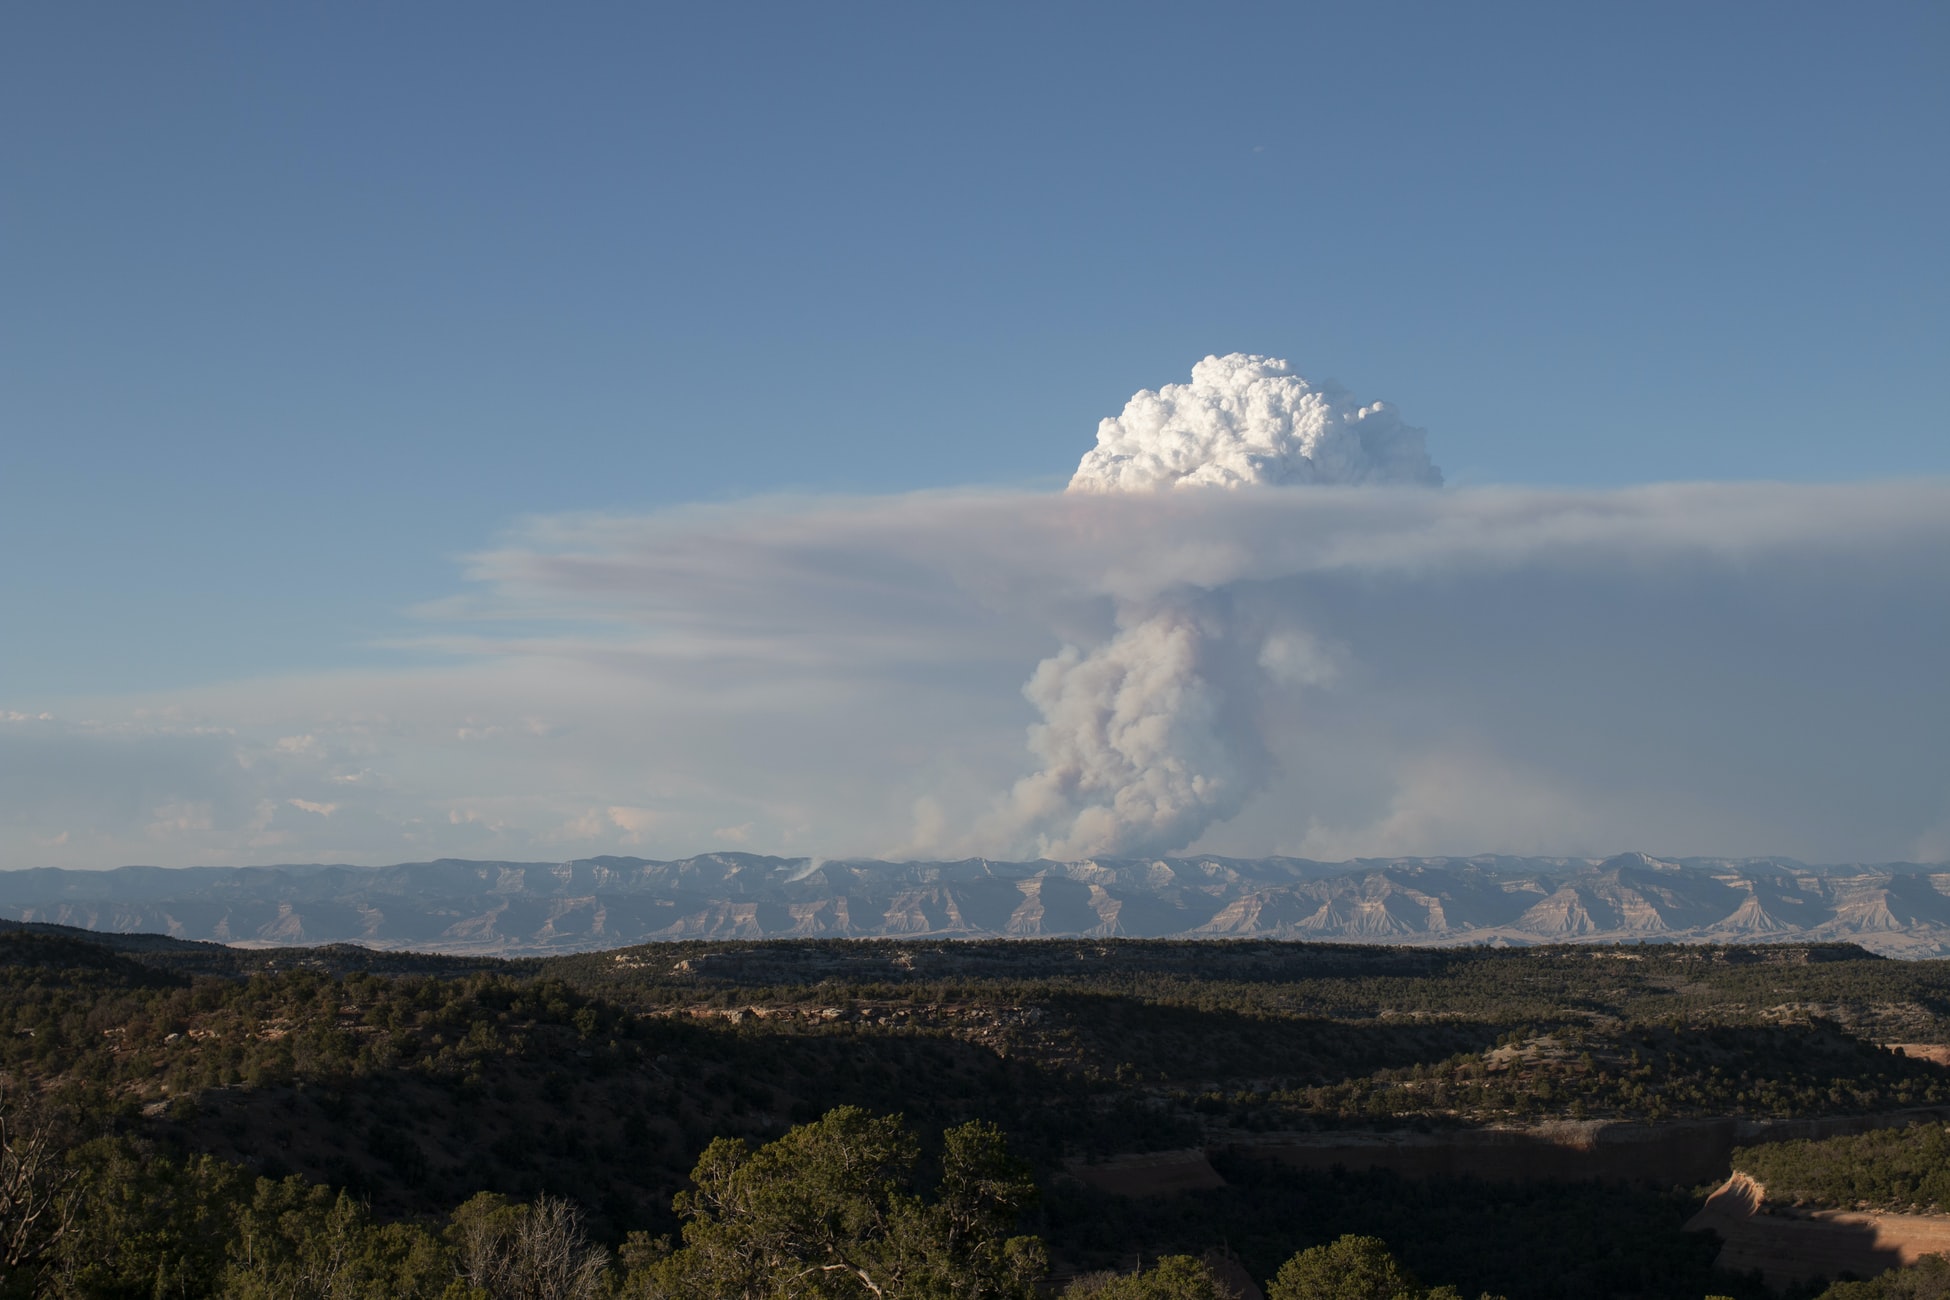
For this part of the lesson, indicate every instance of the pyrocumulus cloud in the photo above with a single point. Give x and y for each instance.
(1149, 738)
(1249, 420)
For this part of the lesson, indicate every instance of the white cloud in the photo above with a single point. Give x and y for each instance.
(1250, 421)
(175, 818)
(635, 823)
(591, 825)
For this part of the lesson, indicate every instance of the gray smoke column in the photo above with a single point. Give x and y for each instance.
(1139, 745)
(1248, 421)
(1152, 736)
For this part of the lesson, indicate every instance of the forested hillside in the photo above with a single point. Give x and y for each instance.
(204, 1103)
(1904, 1170)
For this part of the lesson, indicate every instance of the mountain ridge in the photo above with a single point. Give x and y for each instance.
(526, 908)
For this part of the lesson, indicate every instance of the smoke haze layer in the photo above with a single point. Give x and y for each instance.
(1707, 668)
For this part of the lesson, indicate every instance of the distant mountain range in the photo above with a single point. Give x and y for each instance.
(515, 908)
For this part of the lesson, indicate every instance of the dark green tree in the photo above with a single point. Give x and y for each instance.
(1351, 1268)
(143, 1226)
(299, 1241)
(1927, 1279)
(832, 1210)
(1174, 1277)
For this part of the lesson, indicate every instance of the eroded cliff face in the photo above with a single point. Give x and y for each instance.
(1787, 1245)
(514, 908)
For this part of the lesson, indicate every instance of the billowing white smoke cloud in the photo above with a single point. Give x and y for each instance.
(1151, 737)
(1138, 741)
(1248, 420)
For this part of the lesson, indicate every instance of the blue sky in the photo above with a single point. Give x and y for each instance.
(300, 302)
(300, 306)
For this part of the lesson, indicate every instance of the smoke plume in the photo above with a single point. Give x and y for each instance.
(1139, 745)
(1248, 420)
(1152, 736)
